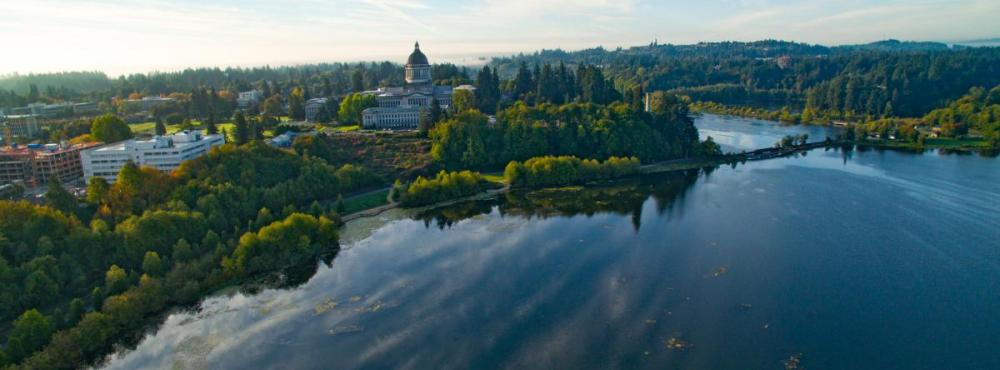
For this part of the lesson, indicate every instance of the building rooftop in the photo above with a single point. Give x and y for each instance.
(179, 140)
(435, 90)
(43, 149)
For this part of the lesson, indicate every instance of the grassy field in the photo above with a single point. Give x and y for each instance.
(342, 128)
(366, 201)
(944, 142)
(150, 127)
(496, 177)
(932, 143)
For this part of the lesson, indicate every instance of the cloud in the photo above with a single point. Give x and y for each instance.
(120, 36)
(395, 9)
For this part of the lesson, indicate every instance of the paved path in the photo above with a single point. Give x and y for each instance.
(372, 212)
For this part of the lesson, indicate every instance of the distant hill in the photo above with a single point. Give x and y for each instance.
(980, 42)
(83, 82)
(896, 45)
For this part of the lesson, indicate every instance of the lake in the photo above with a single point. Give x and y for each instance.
(835, 259)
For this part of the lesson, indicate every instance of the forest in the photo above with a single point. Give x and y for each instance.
(80, 276)
(585, 130)
(567, 170)
(444, 186)
(850, 82)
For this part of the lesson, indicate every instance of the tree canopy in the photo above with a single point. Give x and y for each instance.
(109, 128)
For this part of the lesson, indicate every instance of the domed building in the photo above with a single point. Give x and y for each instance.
(399, 108)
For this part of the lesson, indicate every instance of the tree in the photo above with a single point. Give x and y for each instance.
(115, 280)
(353, 105)
(340, 204)
(281, 244)
(152, 265)
(487, 90)
(33, 93)
(523, 82)
(40, 289)
(109, 128)
(709, 148)
(76, 312)
(357, 81)
(316, 209)
(272, 106)
(296, 104)
(424, 123)
(462, 100)
(31, 331)
(182, 251)
(242, 129)
(210, 127)
(59, 198)
(160, 128)
(436, 113)
(313, 145)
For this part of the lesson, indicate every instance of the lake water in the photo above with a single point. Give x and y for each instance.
(831, 260)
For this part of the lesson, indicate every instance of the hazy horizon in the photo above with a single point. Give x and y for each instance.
(127, 36)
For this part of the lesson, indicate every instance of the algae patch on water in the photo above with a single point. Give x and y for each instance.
(192, 352)
(794, 362)
(325, 306)
(676, 343)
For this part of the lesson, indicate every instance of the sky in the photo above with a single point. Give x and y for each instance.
(130, 36)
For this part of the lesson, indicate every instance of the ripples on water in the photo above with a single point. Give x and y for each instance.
(832, 260)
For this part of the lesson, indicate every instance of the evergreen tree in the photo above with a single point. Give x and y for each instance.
(357, 81)
(58, 197)
(33, 93)
(242, 134)
(152, 265)
(523, 83)
(266, 89)
(210, 127)
(487, 91)
(160, 128)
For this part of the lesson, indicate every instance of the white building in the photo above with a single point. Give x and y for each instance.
(164, 153)
(147, 103)
(313, 107)
(25, 125)
(250, 98)
(399, 107)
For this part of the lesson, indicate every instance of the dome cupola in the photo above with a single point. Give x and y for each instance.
(417, 57)
(418, 69)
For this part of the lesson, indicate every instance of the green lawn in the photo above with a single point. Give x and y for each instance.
(150, 127)
(141, 128)
(496, 177)
(363, 202)
(344, 128)
(946, 142)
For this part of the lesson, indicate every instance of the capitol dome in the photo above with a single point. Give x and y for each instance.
(417, 57)
(418, 69)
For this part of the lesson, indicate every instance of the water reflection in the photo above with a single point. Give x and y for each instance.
(624, 197)
(852, 258)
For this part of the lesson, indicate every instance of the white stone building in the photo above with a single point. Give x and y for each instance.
(399, 108)
(164, 153)
(313, 107)
(250, 98)
(25, 125)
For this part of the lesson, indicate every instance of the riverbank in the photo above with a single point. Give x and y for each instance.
(960, 145)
